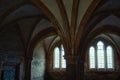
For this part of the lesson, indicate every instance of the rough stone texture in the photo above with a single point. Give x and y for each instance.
(38, 64)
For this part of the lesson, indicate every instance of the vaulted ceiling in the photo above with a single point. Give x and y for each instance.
(26, 22)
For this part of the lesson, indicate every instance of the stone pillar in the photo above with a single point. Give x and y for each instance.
(71, 69)
(80, 70)
(28, 69)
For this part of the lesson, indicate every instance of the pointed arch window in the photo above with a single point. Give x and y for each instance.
(59, 60)
(56, 58)
(110, 57)
(101, 56)
(92, 57)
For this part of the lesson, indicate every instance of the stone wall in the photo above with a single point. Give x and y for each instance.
(38, 64)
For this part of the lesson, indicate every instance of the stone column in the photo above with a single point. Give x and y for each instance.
(71, 69)
(28, 69)
(80, 70)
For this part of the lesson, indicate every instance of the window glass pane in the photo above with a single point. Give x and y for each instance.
(109, 57)
(100, 55)
(92, 57)
(63, 61)
(100, 45)
(56, 58)
(9, 73)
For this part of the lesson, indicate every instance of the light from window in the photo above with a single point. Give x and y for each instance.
(100, 55)
(92, 57)
(56, 58)
(59, 60)
(63, 62)
(109, 57)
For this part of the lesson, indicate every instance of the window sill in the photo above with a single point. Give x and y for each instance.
(57, 70)
(102, 71)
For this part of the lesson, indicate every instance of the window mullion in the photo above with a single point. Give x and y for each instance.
(60, 59)
(96, 62)
(113, 62)
(105, 51)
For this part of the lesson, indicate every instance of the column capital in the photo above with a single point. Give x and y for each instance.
(72, 59)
